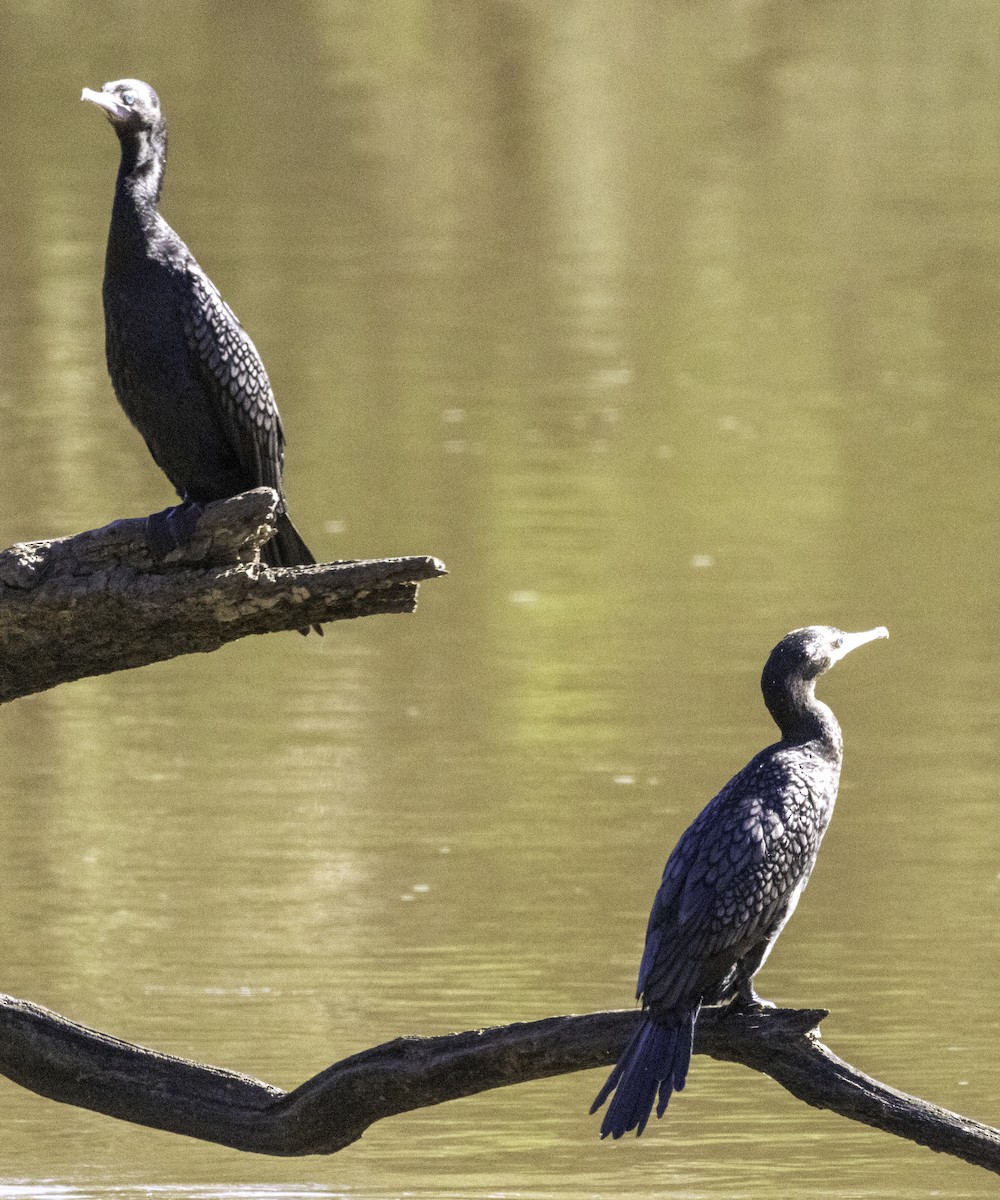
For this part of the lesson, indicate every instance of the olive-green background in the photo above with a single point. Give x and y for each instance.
(669, 326)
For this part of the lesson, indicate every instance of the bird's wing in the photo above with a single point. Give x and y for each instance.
(236, 378)
(723, 887)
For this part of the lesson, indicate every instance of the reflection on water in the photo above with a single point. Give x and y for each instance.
(669, 329)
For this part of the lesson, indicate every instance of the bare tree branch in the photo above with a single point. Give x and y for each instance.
(54, 1057)
(99, 601)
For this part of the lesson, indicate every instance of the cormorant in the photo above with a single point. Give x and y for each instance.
(183, 368)
(734, 878)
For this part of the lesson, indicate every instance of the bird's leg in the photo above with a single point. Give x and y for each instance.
(746, 996)
(173, 527)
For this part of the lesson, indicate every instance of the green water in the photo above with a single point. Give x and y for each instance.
(669, 327)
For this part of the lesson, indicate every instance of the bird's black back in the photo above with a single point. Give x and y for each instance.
(736, 873)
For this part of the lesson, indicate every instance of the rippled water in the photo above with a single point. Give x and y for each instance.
(669, 329)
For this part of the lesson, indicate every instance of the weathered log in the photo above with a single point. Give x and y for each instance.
(99, 601)
(56, 1058)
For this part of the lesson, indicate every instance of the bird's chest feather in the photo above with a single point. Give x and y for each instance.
(146, 347)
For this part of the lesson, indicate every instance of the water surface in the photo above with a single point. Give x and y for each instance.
(669, 328)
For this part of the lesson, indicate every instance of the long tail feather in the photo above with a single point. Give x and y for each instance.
(287, 549)
(656, 1060)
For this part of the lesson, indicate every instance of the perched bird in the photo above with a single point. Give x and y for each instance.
(734, 878)
(183, 368)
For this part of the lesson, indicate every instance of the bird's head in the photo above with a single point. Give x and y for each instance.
(809, 652)
(791, 671)
(132, 107)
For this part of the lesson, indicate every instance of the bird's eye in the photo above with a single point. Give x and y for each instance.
(128, 99)
(838, 642)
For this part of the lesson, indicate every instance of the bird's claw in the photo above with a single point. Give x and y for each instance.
(750, 1002)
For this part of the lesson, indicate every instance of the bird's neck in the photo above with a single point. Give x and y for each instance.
(801, 717)
(135, 217)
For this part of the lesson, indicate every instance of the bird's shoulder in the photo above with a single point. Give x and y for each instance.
(757, 817)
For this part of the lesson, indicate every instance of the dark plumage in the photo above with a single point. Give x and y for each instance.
(183, 368)
(734, 878)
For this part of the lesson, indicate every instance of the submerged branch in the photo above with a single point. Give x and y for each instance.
(56, 1058)
(99, 601)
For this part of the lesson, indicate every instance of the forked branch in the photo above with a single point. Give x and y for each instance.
(57, 1058)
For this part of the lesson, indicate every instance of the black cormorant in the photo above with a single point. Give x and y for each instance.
(734, 878)
(183, 368)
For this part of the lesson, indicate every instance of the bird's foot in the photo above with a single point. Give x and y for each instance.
(746, 1000)
(167, 530)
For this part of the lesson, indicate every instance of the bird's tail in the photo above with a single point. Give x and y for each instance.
(655, 1060)
(287, 549)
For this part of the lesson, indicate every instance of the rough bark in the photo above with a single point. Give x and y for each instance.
(99, 601)
(54, 1057)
